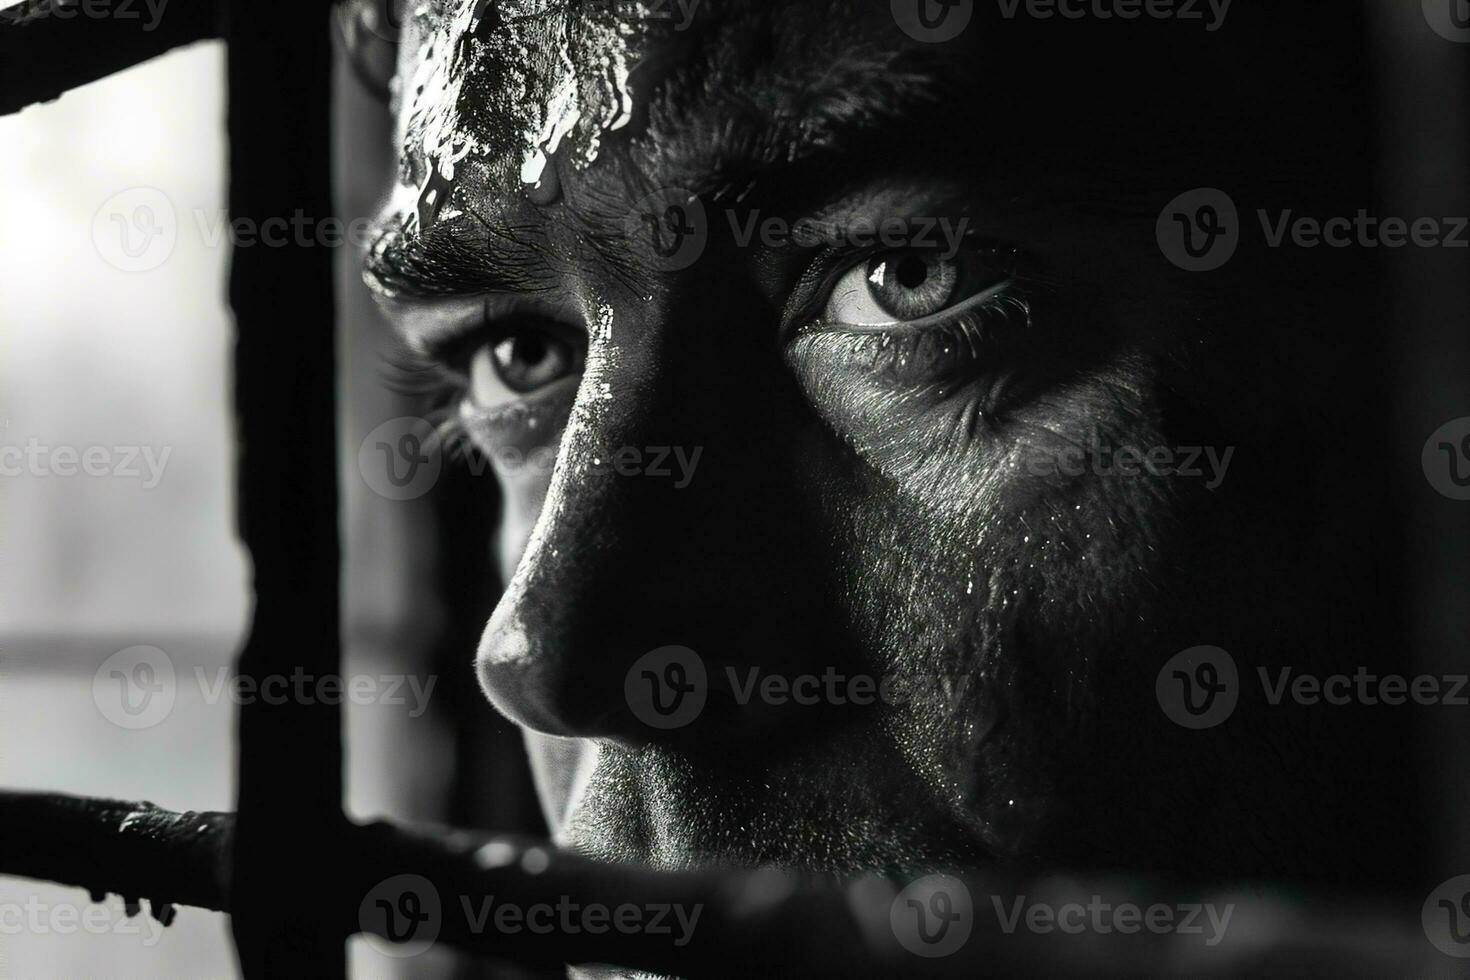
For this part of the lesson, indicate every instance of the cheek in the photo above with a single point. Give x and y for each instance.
(1005, 594)
(521, 448)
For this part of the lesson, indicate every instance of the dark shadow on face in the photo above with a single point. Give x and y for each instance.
(827, 461)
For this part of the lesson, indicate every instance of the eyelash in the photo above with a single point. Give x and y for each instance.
(436, 388)
(415, 374)
(955, 344)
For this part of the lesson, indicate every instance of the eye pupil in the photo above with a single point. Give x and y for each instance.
(527, 358)
(911, 272)
(520, 352)
(911, 285)
(518, 357)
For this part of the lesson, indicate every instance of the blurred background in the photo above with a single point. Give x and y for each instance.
(92, 355)
(115, 333)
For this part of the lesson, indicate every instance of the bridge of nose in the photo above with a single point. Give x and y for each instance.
(674, 519)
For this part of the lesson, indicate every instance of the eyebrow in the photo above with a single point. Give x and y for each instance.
(779, 120)
(463, 256)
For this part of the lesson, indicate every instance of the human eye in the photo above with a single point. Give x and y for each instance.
(893, 287)
(500, 379)
(916, 319)
(519, 360)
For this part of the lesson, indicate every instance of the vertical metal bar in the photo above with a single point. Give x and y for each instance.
(1424, 132)
(290, 765)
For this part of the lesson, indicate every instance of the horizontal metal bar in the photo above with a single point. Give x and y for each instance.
(136, 850)
(49, 47)
(450, 887)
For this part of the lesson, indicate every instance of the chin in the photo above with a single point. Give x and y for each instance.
(818, 808)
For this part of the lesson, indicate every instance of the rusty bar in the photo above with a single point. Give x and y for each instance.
(290, 754)
(448, 885)
(48, 48)
(135, 850)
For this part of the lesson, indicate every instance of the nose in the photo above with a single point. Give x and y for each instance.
(675, 548)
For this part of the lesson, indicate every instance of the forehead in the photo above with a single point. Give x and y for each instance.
(502, 84)
(490, 91)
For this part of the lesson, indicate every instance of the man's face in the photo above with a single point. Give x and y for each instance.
(867, 385)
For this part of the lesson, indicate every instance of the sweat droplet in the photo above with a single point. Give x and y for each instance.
(496, 854)
(546, 185)
(535, 861)
(433, 195)
(512, 85)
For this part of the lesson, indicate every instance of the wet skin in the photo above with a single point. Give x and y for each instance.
(867, 499)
